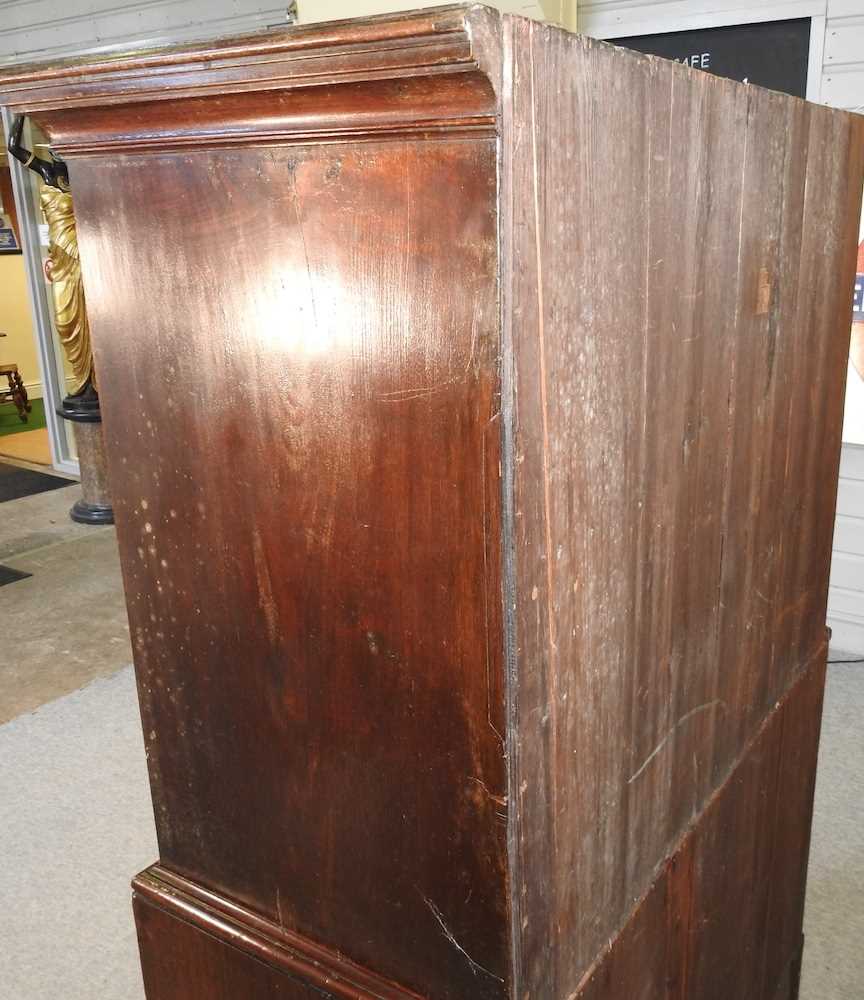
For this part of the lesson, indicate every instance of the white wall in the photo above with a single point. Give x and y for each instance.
(836, 77)
(333, 10)
(43, 29)
(843, 71)
(845, 598)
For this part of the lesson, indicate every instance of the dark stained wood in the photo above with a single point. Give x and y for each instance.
(677, 344)
(664, 396)
(477, 566)
(426, 106)
(180, 962)
(717, 921)
(244, 930)
(327, 713)
(371, 48)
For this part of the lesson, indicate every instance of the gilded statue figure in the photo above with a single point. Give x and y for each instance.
(63, 270)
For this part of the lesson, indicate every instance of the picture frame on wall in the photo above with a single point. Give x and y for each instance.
(8, 237)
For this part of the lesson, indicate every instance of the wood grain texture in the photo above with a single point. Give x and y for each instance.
(422, 43)
(677, 335)
(477, 559)
(311, 565)
(395, 108)
(327, 971)
(179, 962)
(723, 916)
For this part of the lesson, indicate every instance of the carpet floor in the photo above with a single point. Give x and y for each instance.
(76, 823)
(834, 915)
(11, 423)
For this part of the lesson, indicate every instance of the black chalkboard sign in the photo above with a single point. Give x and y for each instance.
(773, 54)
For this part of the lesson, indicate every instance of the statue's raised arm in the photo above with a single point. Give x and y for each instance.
(54, 171)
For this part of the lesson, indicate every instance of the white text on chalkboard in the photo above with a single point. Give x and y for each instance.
(701, 60)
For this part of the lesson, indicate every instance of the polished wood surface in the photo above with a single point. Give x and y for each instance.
(677, 388)
(480, 640)
(326, 712)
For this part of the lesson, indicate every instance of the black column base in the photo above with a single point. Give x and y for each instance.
(83, 407)
(92, 513)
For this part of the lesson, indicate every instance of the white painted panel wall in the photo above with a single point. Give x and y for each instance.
(844, 88)
(43, 29)
(334, 10)
(843, 71)
(617, 18)
(844, 42)
(836, 77)
(846, 594)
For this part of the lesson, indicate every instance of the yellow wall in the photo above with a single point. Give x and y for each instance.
(561, 12)
(19, 347)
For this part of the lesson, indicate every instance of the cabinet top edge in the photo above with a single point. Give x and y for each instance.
(449, 28)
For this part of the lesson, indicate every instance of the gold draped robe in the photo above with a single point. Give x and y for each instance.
(70, 313)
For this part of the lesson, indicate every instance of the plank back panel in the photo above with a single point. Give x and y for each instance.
(297, 352)
(693, 933)
(679, 283)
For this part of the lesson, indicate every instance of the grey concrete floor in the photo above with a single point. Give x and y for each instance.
(68, 620)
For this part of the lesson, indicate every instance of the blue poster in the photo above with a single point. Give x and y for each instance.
(8, 243)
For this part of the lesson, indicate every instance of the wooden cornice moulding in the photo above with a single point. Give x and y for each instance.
(284, 950)
(423, 72)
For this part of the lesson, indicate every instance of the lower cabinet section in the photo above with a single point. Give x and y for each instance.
(180, 962)
(198, 946)
(721, 920)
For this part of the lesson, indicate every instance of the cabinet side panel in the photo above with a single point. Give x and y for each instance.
(679, 260)
(297, 357)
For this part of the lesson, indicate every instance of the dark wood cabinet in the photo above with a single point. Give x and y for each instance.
(472, 393)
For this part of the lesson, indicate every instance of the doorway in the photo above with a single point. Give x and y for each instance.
(38, 437)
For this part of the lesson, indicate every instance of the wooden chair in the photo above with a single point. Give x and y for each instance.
(16, 392)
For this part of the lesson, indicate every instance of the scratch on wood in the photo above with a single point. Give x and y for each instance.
(684, 718)
(266, 598)
(475, 966)
(296, 202)
(499, 799)
(417, 392)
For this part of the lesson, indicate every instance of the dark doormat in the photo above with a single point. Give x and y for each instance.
(15, 482)
(9, 575)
